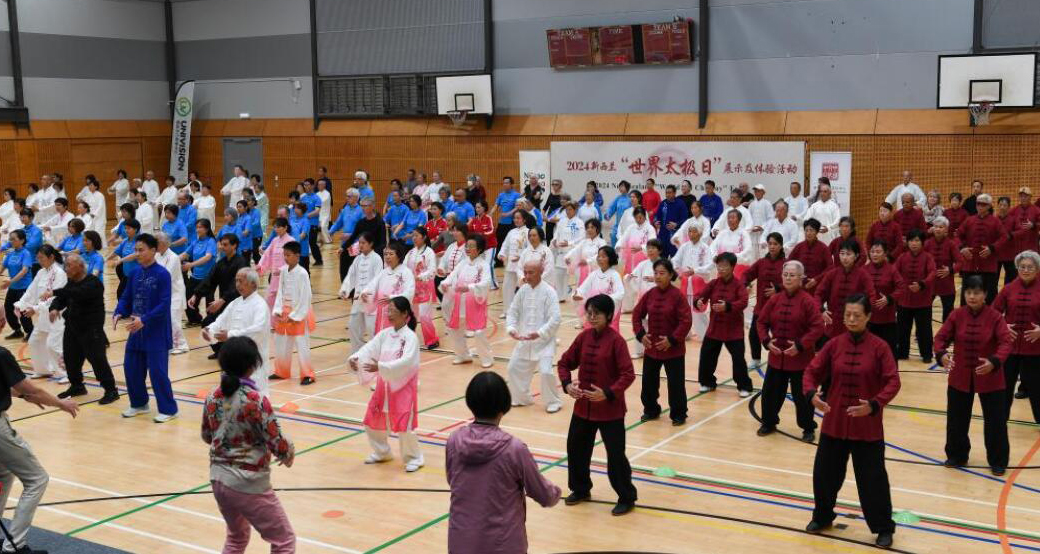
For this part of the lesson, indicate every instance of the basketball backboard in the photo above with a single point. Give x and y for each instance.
(469, 93)
(1006, 80)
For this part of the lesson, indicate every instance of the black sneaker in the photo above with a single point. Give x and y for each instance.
(951, 463)
(109, 397)
(678, 422)
(213, 356)
(648, 417)
(884, 539)
(809, 436)
(576, 498)
(998, 471)
(817, 527)
(14, 335)
(307, 381)
(434, 346)
(24, 549)
(73, 391)
(274, 377)
(622, 508)
(765, 430)
(1021, 394)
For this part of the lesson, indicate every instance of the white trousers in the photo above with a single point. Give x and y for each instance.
(637, 347)
(180, 342)
(360, 323)
(700, 321)
(45, 348)
(409, 443)
(483, 345)
(561, 282)
(509, 285)
(323, 220)
(283, 349)
(520, 374)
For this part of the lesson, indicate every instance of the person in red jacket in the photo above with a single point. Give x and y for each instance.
(956, 214)
(863, 376)
(767, 272)
(982, 345)
(915, 298)
(886, 229)
(838, 284)
(669, 319)
(651, 199)
(947, 263)
(847, 231)
(482, 224)
(980, 237)
(789, 326)
(601, 357)
(726, 297)
(1019, 301)
(1006, 252)
(910, 216)
(1025, 227)
(886, 282)
(813, 254)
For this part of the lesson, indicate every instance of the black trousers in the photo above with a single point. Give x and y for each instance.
(753, 340)
(989, 280)
(315, 248)
(193, 314)
(774, 391)
(345, 261)
(1029, 369)
(580, 440)
(122, 281)
(437, 287)
(16, 323)
(87, 343)
(675, 370)
(256, 250)
(501, 230)
(868, 463)
(709, 360)
(947, 305)
(907, 318)
(888, 332)
(305, 262)
(210, 318)
(1010, 271)
(958, 419)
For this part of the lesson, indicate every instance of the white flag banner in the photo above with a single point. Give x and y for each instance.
(773, 164)
(534, 163)
(183, 111)
(836, 166)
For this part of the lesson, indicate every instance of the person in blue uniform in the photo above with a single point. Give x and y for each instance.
(18, 264)
(145, 304)
(711, 203)
(313, 202)
(73, 242)
(669, 216)
(300, 228)
(124, 253)
(174, 228)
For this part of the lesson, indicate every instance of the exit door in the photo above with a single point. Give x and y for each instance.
(247, 152)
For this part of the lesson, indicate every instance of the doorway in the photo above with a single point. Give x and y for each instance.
(247, 152)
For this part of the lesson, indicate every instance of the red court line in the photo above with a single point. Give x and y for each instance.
(1006, 491)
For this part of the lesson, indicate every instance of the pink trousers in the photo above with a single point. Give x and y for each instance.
(263, 511)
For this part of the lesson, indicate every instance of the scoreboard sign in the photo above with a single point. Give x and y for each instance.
(651, 43)
(570, 47)
(617, 45)
(667, 42)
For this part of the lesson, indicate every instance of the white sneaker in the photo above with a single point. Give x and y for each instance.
(744, 393)
(177, 351)
(134, 412)
(577, 325)
(755, 364)
(705, 388)
(374, 458)
(487, 365)
(553, 408)
(373, 386)
(636, 356)
(503, 316)
(63, 380)
(163, 418)
(38, 375)
(470, 334)
(460, 361)
(414, 465)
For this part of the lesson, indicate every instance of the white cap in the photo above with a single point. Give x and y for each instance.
(760, 187)
(984, 199)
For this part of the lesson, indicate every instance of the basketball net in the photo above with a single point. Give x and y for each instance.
(458, 117)
(980, 112)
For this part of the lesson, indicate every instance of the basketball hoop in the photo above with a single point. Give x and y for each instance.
(980, 112)
(458, 117)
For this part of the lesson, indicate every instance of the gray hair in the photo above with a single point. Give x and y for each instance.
(251, 276)
(941, 220)
(232, 212)
(796, 265)
(353, 192)
(565, 197)
(781, 201)
(162, 237)
(74, 258)
(1030, 255)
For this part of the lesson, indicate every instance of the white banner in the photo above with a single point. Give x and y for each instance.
(183, 111)
(836, 166)
(534, 163)
(773, 164)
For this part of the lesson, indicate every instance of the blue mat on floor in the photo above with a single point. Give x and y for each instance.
(57, 543)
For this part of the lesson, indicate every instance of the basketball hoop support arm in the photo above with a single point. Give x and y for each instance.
(489, 58)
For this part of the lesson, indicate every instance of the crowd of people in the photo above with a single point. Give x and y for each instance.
(832, 309)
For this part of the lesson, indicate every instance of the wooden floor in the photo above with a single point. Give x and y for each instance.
(709, 486)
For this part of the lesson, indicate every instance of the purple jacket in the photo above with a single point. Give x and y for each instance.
(489, 472)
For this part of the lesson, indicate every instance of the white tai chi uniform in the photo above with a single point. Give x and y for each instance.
(294, 293)
(151, 190)
(534, 310)
(143, 215)
(423, 264)
(723, 221)
(682, 235)
(581, 259)
(178, 303)
(788, 228)
(639, 282)
(388, 283)
(896, 196)
(761, 212)
(514, 243)
(98, 211)
(362, 272)
(45, 342)
(569, 231)
(828, 214)
(206, 208)
(796, 207)
(635, 236)
(248, 316)
(698, 259)
(121, 189)
(470, 313)
(59, 224)
(45, 204)
(542, 255)
(167, 198)
(234, 188)
(324, 214)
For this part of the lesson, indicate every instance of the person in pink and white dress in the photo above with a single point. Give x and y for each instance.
(734, 238)
(642, 279)
(394, 280)
(581, 259)
(422, 261)
(603, 280)
(631, 249)
(509, 254)
(391, 360)
(696, 267)
(569, 231)
(363, 270)
(465, 304)
(274, 258)
(536, 251)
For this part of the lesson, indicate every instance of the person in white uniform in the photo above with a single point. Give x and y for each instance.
(733, 204)
(120, 188)
(784, 224)
(797, 203)
(98, 208)
(826, 211)
(363, 271)
(532, 320)
(696, 219)
(761, 212)
(235, 186)
(246, 316)
(570, 230)
(178, 302)
(151, 188)
(907, 186)
(206, 205)
(46, 340)
(56, 228)
(325, 212)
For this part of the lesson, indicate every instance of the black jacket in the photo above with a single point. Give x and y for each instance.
(82, 301)
(223, 277)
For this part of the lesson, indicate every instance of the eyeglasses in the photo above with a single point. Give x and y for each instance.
(790, 275)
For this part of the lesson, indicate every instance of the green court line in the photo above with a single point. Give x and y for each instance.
(934, 411)
(443, 517)
(204, 485)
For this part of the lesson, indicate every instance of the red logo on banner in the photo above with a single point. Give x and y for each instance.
(830, 170)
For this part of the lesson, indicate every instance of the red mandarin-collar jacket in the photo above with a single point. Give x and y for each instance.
(910, 218)
(835, 249)
(837, 285)
(1024, 239)
(858, 368)
(602, 359)
(977, 232)
(484, 226)
(434, 228)
(956, 218)
(918, 269)
(890, 233)
(816, 258)
(975, 336)
(791, 319)
(946, 254)
(1006, 251)
(1020, 304)
(886, 282)
(668, 315)
(767, 272)
(728, 325)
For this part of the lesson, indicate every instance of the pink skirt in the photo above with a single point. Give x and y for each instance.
(399, 409)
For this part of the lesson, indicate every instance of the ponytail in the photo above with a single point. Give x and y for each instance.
(229, 384)
(238, 358)
(404, 306)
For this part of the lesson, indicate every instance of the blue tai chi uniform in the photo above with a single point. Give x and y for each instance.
(147, 296)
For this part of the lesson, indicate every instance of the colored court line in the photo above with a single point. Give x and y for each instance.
(1006, 492)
